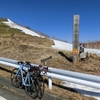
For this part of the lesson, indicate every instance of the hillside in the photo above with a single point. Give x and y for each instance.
(15, 44)
(17, 35)
(61, 59)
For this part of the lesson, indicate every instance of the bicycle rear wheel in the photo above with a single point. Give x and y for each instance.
(40, 87)
(32, 91)
(15, 80)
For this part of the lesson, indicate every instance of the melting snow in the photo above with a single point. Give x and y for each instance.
(25, 30)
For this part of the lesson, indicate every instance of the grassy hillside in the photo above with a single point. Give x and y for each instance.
(5, 30)
(12, 34)
(16, 45)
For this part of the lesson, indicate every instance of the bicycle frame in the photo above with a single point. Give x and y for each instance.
(25, 80)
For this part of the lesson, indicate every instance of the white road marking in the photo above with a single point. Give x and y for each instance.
(1, 98)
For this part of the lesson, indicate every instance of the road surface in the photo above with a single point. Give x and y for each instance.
(8, 92)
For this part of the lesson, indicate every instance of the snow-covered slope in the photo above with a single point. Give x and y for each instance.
(62, 45)
(25, 30)
(67, 46)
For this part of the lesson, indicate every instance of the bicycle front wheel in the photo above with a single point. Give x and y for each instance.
(31, 91)
(15, 80)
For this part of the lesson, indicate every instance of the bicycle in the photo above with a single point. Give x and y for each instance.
(22, 77)
(44, 69)
(30, 77)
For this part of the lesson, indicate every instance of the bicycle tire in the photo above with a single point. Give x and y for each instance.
(15, 81)
(31, 91)
(40, 87)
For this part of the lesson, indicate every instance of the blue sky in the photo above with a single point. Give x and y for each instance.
(55, 17)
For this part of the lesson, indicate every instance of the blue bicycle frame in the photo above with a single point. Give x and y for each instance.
(25, 80)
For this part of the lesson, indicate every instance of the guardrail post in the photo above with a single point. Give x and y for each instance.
(50, 82)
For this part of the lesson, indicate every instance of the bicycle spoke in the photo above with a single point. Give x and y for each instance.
(14, 79)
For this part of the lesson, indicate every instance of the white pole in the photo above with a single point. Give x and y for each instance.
(50, 82)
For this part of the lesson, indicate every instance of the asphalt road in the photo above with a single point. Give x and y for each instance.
(8, 95)
(8, 92)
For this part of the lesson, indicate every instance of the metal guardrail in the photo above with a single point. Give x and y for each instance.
(77, 75)
(64, 75)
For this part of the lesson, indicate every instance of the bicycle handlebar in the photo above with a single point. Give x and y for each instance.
(42, 68)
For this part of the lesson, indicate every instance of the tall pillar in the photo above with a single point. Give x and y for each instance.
(76, 38)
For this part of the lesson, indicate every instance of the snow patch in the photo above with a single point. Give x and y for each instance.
(25, 30)
(87, 91)
(62, 45)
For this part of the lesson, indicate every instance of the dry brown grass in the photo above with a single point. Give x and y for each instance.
(26, 50)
